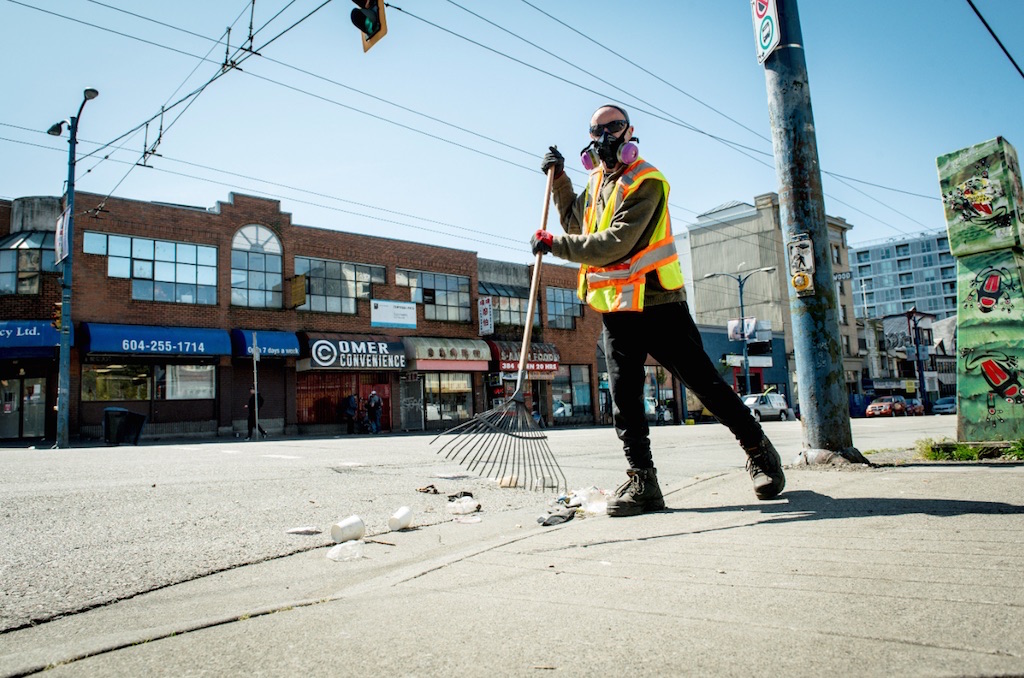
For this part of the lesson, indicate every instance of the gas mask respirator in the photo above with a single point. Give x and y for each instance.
(610, 150)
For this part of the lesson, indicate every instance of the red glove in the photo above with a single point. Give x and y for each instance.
(541, 242)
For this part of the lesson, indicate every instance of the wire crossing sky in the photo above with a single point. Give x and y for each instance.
(436, 133)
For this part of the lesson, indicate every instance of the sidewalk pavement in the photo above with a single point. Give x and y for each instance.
(912, 569)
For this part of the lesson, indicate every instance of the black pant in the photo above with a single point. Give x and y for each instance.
(668, 333)
(252, 425)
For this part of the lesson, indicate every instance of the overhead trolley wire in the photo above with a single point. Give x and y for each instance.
(328, 196)
(996, 38)
(199, 90)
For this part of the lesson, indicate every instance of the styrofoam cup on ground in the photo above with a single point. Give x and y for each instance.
(400, 519)
(348, 529)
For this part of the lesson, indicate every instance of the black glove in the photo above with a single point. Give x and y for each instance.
(540, 243)
(553, 159)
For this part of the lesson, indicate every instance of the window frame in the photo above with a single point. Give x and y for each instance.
(424, 290)
(168, 278)
(262, 278)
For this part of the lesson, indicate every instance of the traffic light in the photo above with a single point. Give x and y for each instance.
(56, 315)
(369, 18)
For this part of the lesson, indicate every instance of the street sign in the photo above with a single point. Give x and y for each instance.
(766, 27)
(845, 275)
(485, 311)
(60, 242)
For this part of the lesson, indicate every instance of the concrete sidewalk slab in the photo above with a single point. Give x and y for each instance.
(906, 570)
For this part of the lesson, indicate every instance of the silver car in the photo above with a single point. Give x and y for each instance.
(945, 405)
(768, 406)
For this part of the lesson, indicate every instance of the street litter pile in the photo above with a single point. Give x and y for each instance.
(461, 505)
(588, 501)
(350, 534)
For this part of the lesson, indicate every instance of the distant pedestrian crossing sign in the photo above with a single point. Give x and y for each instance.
(766, 27)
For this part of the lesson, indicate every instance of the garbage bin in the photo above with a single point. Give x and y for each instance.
(122, 426)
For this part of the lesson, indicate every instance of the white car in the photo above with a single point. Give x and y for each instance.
(768, 406)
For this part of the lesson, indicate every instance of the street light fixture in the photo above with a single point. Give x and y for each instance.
(742, 280)
(67, 243)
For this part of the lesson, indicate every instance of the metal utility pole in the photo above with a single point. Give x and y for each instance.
(255, 383)
(67, 246)
(915, 336)
(812, 298)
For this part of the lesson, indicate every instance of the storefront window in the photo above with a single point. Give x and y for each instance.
(115, 382)
(563, 308)
(160, 270)
(448, 396)
(185, 382)
(444, 297)
(334, 286)
(135, 382)
(571, 391)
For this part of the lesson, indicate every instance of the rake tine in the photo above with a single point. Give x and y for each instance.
(505, 442)
(485, 449)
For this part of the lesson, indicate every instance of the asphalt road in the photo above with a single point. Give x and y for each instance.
(87, 527)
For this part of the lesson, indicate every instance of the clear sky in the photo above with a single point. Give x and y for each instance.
(435, 134)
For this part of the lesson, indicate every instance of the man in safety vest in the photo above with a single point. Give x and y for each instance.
(618, 229)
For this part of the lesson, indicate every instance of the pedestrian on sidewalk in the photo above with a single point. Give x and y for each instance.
(253, 406)
(351, 408)
(618, 229)
(374, 408)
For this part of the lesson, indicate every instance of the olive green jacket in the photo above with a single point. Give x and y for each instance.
(631, 229)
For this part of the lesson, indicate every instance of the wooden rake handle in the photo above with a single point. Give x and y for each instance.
(534, 285)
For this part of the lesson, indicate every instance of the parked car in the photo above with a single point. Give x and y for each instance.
(768, 406)
(946, 405)
(887, 406)
(915, 407)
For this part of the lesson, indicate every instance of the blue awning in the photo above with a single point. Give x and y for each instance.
(155, 340)
(272, 344)
(28, 339)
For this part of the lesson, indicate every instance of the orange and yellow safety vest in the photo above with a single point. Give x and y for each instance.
(620, 287)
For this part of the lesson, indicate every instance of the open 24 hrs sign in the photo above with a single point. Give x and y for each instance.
(766, 27)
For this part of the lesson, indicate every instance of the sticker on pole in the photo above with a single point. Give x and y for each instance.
(766, 27)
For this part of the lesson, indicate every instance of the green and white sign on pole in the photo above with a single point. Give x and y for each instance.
(766, 27)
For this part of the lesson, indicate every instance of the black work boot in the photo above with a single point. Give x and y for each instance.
(765, 467)
(639, 494)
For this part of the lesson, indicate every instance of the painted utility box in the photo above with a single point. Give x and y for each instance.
(981, 192)
(984, 206)
(990, 346)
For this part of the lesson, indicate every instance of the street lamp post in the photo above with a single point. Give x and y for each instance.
(741, 280)
(915, 336)
(64, 375)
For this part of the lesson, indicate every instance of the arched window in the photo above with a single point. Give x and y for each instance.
(256, 268)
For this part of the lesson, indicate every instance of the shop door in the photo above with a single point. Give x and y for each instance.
(23, 408)
(10, 408)
(33, 411)
(411, 392)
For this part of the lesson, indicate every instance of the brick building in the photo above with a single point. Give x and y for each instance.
(170, 300)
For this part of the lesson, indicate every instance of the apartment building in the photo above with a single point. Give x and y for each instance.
(899, 274)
